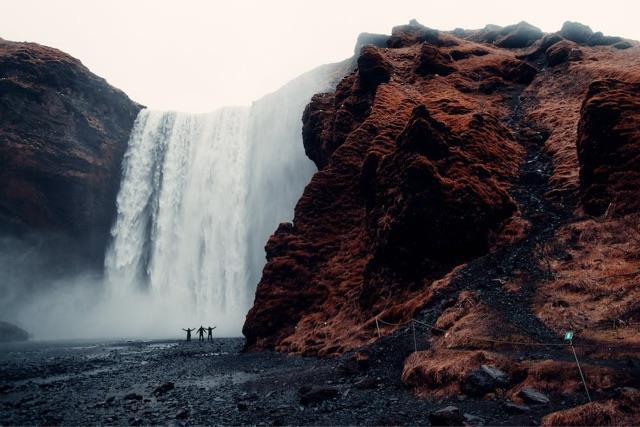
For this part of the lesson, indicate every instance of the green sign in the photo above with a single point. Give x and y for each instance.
(568, 336)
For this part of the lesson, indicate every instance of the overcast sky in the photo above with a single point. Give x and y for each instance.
(199, 55)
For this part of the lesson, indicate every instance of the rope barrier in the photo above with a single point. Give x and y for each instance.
(584, 383)
(489, 340)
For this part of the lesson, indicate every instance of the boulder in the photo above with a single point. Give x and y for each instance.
(624, 44)
(576, 32)
(533, 396)
(514, 408)
(484, 380)
(519, 35)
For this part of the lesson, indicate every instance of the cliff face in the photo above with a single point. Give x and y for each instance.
(63, 132)
(457, 175)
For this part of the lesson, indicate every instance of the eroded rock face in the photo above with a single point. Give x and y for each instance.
(609, 147)
(413, 180)
(63, 132)
(458, 198)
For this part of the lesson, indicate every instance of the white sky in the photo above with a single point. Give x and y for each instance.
(199, 55)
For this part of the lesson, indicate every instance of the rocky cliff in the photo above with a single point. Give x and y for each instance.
(63, 132)
(484, 183)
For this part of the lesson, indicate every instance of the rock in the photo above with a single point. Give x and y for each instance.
(576, 32)
(495, 374)
(622, 45)
(364, 39)
(163, 388)
(562, 52)
(10, 332)
(373, 68)
(433, 61)
(513, 408)
(608, 143)
(415, 33)
(448, 416)
(484, 380)
(133, 396)
(182, 414)
(64, 132)
(599, 39)
(473, 420)
(315, 394)
(522, 34)
(533, 396)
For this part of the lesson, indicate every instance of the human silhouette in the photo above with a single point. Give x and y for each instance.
(188, 330)
(210, 333)
(200, 333)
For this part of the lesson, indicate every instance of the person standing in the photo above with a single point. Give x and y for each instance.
(210, 333)
(200, 333)
(188, 330)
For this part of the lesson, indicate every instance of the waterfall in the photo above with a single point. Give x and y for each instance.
(200, 195)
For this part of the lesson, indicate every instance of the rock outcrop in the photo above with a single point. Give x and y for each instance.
(63, 132)
(455, 173)
(413, 180)
(609, 147)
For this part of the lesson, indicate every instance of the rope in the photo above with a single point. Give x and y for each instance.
(489, 340)
(580, 370)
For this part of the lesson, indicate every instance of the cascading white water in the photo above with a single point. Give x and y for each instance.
(199, 196)
(180, 230)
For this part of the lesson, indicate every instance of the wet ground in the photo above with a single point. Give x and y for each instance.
(179, 383)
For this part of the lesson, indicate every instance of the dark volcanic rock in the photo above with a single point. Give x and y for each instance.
(10, 332)
(609, 147)
(63, 132)
(576, 32)
(364, 39)
(448, 416)
(399, 198)
(513, 408)
(407, 35)
(530, 395)
(522, 34)
(485, 380)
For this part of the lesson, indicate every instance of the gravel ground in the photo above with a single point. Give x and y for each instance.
(121, 383)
